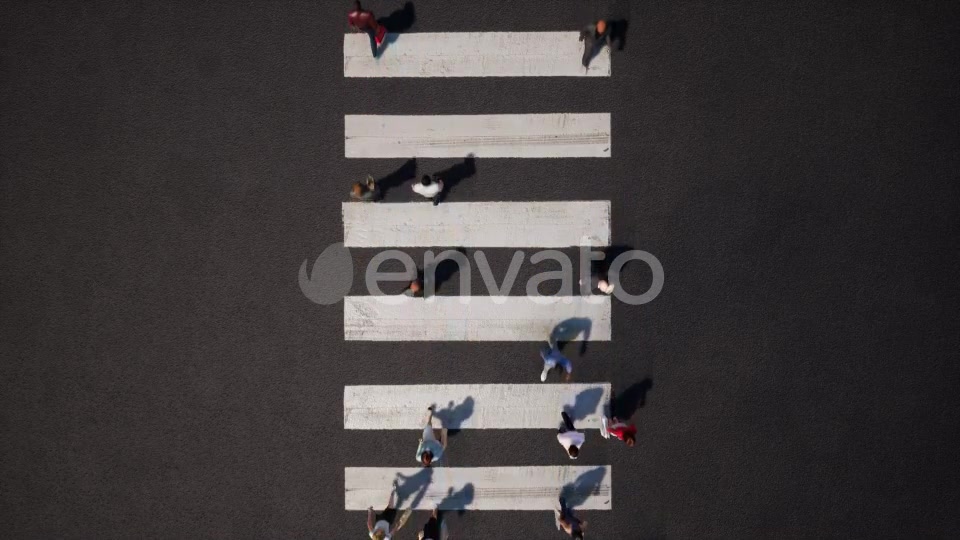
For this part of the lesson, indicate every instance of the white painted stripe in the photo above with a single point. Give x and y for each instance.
(476, 406)
(555, 224)
(480, 488)
(563, 135)
(473, 54)
(475, 318)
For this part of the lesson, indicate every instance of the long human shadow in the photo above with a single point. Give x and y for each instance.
(601, 267)
(584, 404)
(626, 403)
(406, 171)
(397, 22)
(577, 492)
(413, 487)
(456, 174)
(446, 268)
(618, 32)
(457, 500)
(570, 329)
(453, 416)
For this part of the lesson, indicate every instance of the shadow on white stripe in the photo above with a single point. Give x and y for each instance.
(480, 488)
(547, 224)
(477, 406)
(473, 54)
(563, 135)
(476, 318)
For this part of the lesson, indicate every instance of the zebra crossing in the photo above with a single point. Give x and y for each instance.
(473, 54)
(562, 135)
(538, 224)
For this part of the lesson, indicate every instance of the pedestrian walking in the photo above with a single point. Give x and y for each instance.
(594, 37)
(430, 449)
(365, 191)
(624, 431)
(552, 358)
(362, 20)
(429, 188)
(599, 284)
(567, 522)
(431, 531)
(415, 289)
(568, 436)
(381, 526)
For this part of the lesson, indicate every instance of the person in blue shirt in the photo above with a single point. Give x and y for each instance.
(430, 449)
(552, 358)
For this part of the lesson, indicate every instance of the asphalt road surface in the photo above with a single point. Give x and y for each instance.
(167, 167)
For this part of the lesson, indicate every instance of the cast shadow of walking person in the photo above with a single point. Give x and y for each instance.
(569, 330)
(413, 488)
(626, 403)
(588, 484)
(455, 174)
(618, 32)
(584, 404)
(453, 416)
(398, 177)
(457, 500)
(396, 23)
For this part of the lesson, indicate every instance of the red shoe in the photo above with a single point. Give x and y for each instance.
(381, 34)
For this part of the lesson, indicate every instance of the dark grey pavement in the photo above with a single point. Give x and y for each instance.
(165, 168)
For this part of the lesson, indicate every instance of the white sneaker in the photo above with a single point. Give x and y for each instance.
(543, 374)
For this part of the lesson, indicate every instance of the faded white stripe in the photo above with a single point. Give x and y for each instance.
(477, 406)
(563, 135)
(553, 224)
(481, 488)
(473, 54)
(476, 318)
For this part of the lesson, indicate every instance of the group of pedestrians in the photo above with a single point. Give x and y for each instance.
(431, 448)
(429, 187)
(594, 36)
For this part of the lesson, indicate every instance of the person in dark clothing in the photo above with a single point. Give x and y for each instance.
(567, 522)
(431, 531)
(363, 20)
(594, 37)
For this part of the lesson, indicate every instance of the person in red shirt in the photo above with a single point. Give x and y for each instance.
(362, 20)
(619, 429)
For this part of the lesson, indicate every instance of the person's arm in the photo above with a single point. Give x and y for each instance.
(370, 519)
(443, 438)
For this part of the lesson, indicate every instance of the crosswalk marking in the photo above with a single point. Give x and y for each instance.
(473, 54)
(561, 135)
(476, 406)
(476, 318)
(480, 488)
(541, 224)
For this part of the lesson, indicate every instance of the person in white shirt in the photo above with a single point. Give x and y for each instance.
(568, 436)
(380, 526)
(430, 449)
(429, 188)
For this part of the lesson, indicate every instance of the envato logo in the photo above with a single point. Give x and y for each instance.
(332, 275)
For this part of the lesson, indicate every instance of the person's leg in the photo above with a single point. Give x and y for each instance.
(563, 508)
(373, 41)
(428, 427)
(567, 421)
